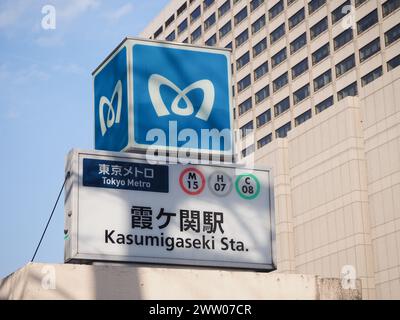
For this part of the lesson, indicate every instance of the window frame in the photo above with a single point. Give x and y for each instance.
(370, 49)
(313, 54)
(275, 64)
(347, 66)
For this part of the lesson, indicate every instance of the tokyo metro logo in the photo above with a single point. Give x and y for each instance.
(154, 86)
(113, 116)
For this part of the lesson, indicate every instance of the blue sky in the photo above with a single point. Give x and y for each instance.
(46, 109)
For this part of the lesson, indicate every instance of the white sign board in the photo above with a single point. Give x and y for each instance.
(121, 208)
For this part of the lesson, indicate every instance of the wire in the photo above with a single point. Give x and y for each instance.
(51, 215)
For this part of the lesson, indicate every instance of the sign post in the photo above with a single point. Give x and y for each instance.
(121, 208)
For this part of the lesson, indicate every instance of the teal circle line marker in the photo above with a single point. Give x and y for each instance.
(252, 196)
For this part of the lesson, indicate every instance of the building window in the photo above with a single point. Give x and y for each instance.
(258, 24)
(393, 63)
(243, 60)
(322, 80)
(314, 5)
(301, 94)
(281, 106)
(158, 32)
(367, 22)
(244, 83)
(276, 10)
(225, 29)
(247, 129)
(262, 94)
(350, 90)
(245, 106)
(229, 45)
(195, 14)
(389, 6)
(169, 21)
(295, 19)
(318, 28)
(340, 11)
(254, 4)
(283, 131)
(345, 65)
(370, 49)
(302, 118)
(277, 33)
(300, 68)
(359, 2)
(392, 35)
(264, 141)
(212, 41)
(182, 26)
(171, 36)
(263, 118)
(242, 38)
(247, 151)
(224, 8)
(239, 17)
(298, 43)
(371, 76)
(210, 21)
(207, 3)
(278, 58)
(260, 71)
(324, 105)
(181, 9)
(289, 2)
(195, 34)
(343, 38)
(186, 40)
(320, 54)
(260, 47)
(280, 82)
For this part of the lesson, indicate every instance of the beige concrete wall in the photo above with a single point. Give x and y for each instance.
(337, 190)
(276, 157)
(321, 198)
(52, 281)
(329, 194)
(380, 106)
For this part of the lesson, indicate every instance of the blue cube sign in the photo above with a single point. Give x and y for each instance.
(165, 96)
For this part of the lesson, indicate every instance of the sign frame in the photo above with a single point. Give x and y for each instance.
(71, 226)
(132, 145)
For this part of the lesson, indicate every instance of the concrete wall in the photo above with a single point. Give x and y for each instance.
(329, 194)
(337, 188)
(52, 281)
(380, 109)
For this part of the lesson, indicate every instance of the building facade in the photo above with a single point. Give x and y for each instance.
(317, 83)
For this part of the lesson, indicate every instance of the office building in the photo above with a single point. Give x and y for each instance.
(317, 82)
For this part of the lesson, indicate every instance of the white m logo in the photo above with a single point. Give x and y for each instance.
(156, 81)
(112, 117)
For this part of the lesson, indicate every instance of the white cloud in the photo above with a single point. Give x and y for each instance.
(4, 73)
(29, 74)
(12, 12)
(74, 8)
(52, 40)
(120, 12)
(69, 68)
(12, 114)
(17, 76)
